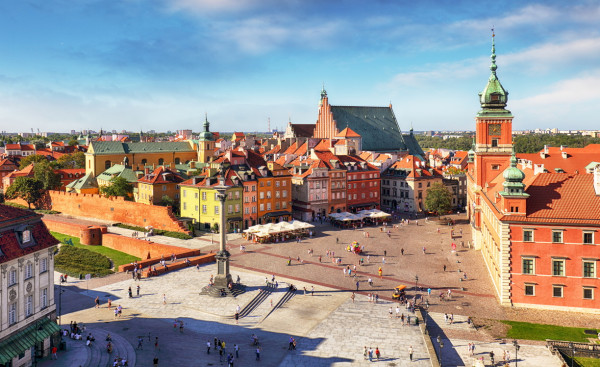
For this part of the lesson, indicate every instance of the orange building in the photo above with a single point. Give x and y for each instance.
(153, 186)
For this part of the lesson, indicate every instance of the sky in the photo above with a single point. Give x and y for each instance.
(165, 64)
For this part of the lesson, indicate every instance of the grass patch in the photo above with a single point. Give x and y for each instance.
(159, 232)
(585, 362)
(39, 211)
(529, 331)
(77, 261)
(117, 257)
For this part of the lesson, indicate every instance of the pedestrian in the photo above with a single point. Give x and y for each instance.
(424, 252)
(164, 299)
(380, 272)
(54, 350)
(140, 343)
(357, 284)
(312, 290)
(156, 344)
(258, 353)
(383, 260)
(370, 354)
(344, 272)
(138, 290)
(319, 258)
(376, 298)
(384, 253)
(391, 312)
(410, 353)
(365, 353)
(155, 361)
(397, 311)
(353, 296)
(370, 282)
(237, 317)
(97, 302)
(402, 251)
(109, 303)
(237, 351)
(208, 347)
(465, 275)
(377, 353)
(130, 292)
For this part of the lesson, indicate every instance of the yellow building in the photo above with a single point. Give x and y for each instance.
(102, 155)
(199, 201)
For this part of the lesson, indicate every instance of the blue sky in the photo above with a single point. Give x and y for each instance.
(163, 64)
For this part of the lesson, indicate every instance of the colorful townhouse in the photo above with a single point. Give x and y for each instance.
(155, 185)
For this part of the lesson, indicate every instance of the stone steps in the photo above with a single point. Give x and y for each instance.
(97, 355)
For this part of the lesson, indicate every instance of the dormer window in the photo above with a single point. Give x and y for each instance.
(495, 97)
(26, 236)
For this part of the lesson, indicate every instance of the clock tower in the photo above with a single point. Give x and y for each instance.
(493, 137)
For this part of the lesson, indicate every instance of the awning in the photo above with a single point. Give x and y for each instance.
(363, 205)
(276, 214)
(23, 340)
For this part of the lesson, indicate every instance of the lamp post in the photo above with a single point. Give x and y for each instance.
(572, 347)
(517, 347)
(223, 277)
(416, 282)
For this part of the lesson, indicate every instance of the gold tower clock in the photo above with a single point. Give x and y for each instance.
(494, 129)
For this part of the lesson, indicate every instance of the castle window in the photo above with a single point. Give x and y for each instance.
(494, 143)
(530, 289)
(144, 161)
(557, 236)
(589, 269)
(177, 161)
(557, 291)
(161, 161)
(588, 238)
(588, 293)
(106, 164)
(495, 167)
(528, 235)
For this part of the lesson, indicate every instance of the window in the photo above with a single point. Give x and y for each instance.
(588, 293)
(28, 270)
(106, 164)
(495, 167)
(284, 193)
(276, 183)
(44, 298)
(557, 236)
(261, 195)
(589, 269)
(28, 306)
(184, 205)
(230, 209)
(557, 291)
(246, 210)
(588, 238)
(177, 161)
(262, 207)
(528, 235)
(558, 267)
(196, 207)
(12, 313)
(268, 183)
(144, 161)
(528, 265)
(530, 289)
(203, 209)
(43, 265)
(277, 194)
(195, 195)
(269, 194)
(203, 195)
(284, 205)
(494, 143)
(184, 192)
(253, 209)
(268, 206)
(161, 161)
(277, 206)
(12, 277)
(164, 188)
(216, 209)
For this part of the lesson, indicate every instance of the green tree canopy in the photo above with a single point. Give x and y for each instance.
(72, 160)
(34, 158)
(26, 188)
(44, 172)
(72, 142)
(118, 187)
(439, 199)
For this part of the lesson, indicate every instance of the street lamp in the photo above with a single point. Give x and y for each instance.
(416, 282)
(517, 347)
(441, 344)
(572, 347)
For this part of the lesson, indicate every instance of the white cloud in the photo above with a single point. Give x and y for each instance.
(581, 89)
(211, 6)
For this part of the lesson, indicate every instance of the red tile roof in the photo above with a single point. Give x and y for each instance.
(347, 133)
(161, 175)
(577, 158)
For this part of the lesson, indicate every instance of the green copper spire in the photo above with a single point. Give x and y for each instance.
(206, 134)
(494, 97)
(513, 179)
(323, 92)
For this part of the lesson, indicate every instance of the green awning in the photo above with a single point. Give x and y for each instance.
(25, 339)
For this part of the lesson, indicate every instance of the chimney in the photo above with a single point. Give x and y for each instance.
(146, 170)
(172, 165)
(564, 154)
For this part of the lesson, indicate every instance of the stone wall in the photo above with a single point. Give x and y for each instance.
(112, 209)
(143, 249)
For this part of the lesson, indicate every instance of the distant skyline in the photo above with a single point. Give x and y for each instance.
(162, 64)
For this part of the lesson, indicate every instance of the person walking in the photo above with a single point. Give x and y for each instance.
(258, 353)
(97, 302)
(410, 353)
(353, 296)
(140, 343)
(402, 251)
(237, 350)
(138, 290)
(357, 284)
(208, 347)
(155, 361)
(164, 299)
(54, 350)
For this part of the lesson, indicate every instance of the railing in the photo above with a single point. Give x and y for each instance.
(580, 349)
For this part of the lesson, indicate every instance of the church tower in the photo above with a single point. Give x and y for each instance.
(325, 127)
(206, 143)
(493, 137)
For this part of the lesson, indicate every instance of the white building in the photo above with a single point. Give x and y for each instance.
(27, 310)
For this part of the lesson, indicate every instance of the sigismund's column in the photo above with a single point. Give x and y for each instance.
(223, 277)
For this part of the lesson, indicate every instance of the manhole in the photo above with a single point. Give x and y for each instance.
(590, 332)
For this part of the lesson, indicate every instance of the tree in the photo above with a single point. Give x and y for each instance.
(72, 160)
(118, 187)
(26, 188)
(34, 158)
(72, 142)
(439, 199)
(44, 172)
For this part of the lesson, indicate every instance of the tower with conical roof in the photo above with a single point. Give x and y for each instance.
(493, 137)
(206, 143)
(514, 197)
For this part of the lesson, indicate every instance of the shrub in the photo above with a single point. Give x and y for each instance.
(74, 261)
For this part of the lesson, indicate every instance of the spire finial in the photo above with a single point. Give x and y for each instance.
(493, 66)
(205, 116)
(323, 91)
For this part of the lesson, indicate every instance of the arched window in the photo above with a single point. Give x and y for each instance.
(161, 161)
(177, 160)
(144, 161)
(106, 164)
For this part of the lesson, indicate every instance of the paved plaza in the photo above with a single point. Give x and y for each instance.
(329, 328)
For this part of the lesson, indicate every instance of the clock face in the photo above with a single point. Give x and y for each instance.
(494, 129)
